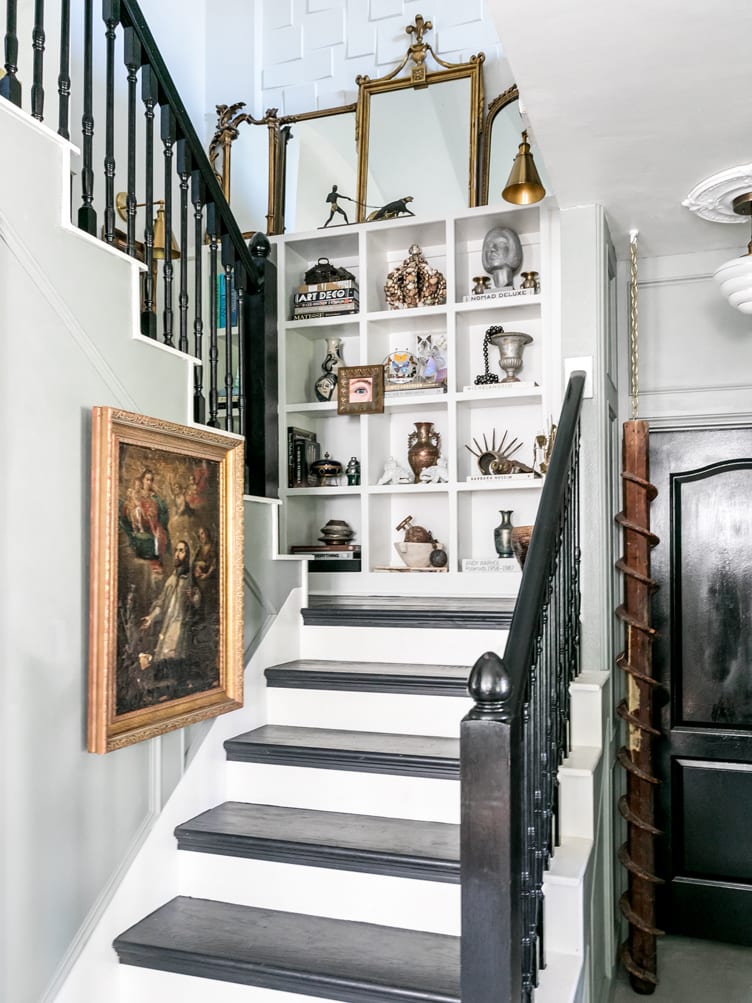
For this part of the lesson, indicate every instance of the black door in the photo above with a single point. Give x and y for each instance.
(703, 659)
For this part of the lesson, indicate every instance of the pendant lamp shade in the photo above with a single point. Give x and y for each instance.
(524, 185)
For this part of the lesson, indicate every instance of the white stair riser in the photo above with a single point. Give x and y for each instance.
(561, 981)
(142, 985)
(318, 891)
(563, 917)
(335, 790)
(577, 796)
(355, 711)
(400, 644)
(565, 889)
(587, 709)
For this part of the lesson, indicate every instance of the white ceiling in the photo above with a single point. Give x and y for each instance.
(632, 102)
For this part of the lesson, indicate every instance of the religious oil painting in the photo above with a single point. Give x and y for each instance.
(165, 629)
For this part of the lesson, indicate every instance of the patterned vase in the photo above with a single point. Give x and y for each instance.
(325, 386)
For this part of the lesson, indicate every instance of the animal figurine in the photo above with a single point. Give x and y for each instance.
(436, 474)
(395, 474)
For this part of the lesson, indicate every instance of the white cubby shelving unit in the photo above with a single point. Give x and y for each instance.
(462, 513)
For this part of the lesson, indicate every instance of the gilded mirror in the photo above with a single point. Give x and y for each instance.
(418, 134)
(317, 150)
(502, 134)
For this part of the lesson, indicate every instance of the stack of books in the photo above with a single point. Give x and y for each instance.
(325, 299)
(302, 449)
(330, 557)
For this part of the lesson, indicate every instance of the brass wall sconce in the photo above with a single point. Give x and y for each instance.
(524, 185)
(158, 247)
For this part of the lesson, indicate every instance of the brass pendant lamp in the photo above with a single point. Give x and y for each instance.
(524, 185)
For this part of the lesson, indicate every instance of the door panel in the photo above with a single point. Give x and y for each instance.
(703, 659)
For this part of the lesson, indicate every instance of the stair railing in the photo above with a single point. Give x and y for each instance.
(213, 307)
(514, 740)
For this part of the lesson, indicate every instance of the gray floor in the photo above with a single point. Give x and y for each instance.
(696, 971)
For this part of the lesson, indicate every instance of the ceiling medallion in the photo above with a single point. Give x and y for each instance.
(713, 198)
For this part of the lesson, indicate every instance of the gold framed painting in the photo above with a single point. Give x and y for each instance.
(165, 618)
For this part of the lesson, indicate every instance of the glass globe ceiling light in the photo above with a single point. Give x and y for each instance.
(735, 276)
(724, 198)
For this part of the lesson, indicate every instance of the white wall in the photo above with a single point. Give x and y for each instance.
(695, 350)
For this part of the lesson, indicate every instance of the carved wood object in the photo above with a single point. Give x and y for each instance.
(637, 854)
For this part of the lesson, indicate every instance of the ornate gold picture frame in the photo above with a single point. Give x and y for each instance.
(165, 618)
(360, 390)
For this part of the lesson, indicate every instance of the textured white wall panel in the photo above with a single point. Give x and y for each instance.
(318, 65)
(283, 45)
(361, 40)
(277, 13)
(324, 29)
(361, 37)
(378, 9)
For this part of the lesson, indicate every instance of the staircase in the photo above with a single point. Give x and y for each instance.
(332, 869)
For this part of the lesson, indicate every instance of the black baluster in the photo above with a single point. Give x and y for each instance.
(87, 216)
(241, 285)
(111, 17)
(213, 230)
(132, 59)
(150, 97)
(168, 132)
(228, 263)
(63, 79)
(10, 86)
(197, 198)
(184, 163)
(37, 79)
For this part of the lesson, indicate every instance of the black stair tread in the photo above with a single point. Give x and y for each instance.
(361, 751)
(353, 962)
(404, 847)
(390, 677)
(479, 612)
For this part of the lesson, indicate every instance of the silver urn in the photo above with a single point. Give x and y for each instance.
(511, 345)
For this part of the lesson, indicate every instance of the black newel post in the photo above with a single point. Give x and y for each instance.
(10, 86)
(491, 850)
(228, 264)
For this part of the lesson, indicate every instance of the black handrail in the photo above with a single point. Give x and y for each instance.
(131, 15)
(513, 741)
(212, 222)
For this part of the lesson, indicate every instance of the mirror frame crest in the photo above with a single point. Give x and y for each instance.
(419, 77)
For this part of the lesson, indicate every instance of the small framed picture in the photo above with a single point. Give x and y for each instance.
(360, 390)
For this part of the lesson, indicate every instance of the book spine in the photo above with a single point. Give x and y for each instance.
(316, 287)
(300, 467)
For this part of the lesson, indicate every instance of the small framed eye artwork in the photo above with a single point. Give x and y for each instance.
(360, 390)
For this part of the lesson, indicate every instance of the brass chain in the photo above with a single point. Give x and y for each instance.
(634, 355)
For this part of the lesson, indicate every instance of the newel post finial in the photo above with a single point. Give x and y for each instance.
(490, 686)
